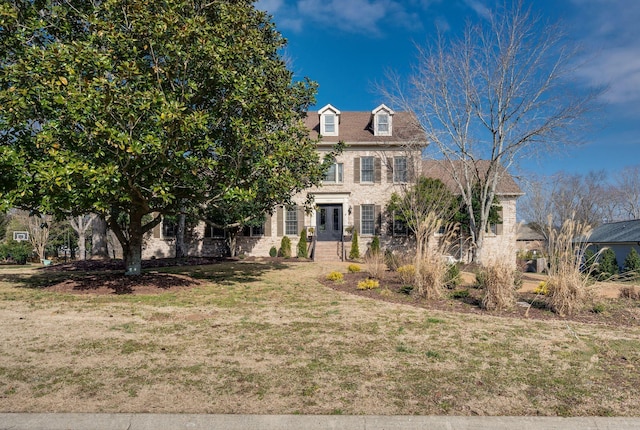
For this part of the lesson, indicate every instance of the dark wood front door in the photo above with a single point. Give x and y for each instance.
(329, 222)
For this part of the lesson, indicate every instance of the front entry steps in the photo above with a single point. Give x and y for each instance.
(328, 251)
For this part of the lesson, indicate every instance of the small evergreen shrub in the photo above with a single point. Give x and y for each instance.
(368, 284)
(285, 247)
(608, 264)
(302, 244)
(354, 254)
(632, 262)
(481, 278)
(452, 278)
(393, 262)
(14, 251)
(273, 252)
(353, 268)
(335, 276)
(375, 245)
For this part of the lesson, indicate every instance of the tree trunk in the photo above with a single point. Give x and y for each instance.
(99, 239)
(82, 247)
(133, 247)
(180, 245)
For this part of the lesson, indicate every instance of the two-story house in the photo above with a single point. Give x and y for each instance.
(383, 155)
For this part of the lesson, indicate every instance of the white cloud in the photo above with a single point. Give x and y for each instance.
(353, 16)
(479, 8)
(610, 29)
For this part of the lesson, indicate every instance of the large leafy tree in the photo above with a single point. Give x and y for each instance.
(132, 109)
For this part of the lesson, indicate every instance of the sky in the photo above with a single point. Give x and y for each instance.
(348, 47)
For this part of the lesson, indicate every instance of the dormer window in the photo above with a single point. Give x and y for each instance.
(382, 121)
(329, 121)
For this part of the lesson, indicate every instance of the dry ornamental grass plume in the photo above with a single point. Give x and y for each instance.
(499, 285)
(567, 284)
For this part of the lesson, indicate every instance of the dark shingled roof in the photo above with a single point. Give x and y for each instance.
(357, 127)
(439, 169)
(617, 232)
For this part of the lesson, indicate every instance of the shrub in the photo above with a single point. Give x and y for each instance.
(608, 265)
(368, 284)
(335, 276)
(632, 262)
(460, 294)
(481, 278)
(452, 278)
(285, 247)
(17, 252)
(499, 291)
(375, 265)
(302, 244)
(407, 273)
(353, 268)
(273, 252)
(542, 288)
(354, 253)
(375, 245)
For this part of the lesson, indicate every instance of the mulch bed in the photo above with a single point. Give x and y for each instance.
(618, 312)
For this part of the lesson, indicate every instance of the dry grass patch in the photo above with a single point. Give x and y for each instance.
(270, 339)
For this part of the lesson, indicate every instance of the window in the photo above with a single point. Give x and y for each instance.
(213, 232)
(383, 123)
(367, 220)
(291, 222)
(399, 226)
(400, 169)
(367, 173)
(168, 228)
(335, 174)
(329, 124)
(253, 230)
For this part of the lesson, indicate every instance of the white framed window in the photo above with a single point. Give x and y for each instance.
(335, 174)
(329, 124)
(382, 121)
(367, 220)
(383, 124)
(400, 170)
(291, 222)
(329, 120)
(367, 172)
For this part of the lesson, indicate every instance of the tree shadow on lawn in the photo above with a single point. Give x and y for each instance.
(159, 278)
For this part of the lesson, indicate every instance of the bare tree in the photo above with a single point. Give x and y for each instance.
(38, 226)
(628, 191)
(497, 94)
(80, 225)
(585, 199)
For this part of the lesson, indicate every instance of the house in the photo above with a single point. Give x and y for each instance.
(383, 155)
(528, 240)
(620, 236)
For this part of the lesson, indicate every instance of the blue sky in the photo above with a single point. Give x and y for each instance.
(348, 45)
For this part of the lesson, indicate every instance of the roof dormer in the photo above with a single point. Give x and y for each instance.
(382, 121)
(329, 120)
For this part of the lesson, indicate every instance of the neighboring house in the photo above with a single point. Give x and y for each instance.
(620, 236)
(529, 240)
(383, 155)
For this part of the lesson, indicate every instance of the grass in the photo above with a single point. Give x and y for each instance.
(257, 338)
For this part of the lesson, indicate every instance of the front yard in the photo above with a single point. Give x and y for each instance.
(269, 338)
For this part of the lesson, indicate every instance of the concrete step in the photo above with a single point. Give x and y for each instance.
(328, 251)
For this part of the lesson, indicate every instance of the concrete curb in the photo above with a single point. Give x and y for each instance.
(306, 422)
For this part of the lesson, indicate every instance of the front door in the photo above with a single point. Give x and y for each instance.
(329, 222)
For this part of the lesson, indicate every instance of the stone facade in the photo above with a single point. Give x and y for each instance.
(382, 156)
